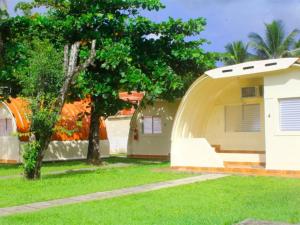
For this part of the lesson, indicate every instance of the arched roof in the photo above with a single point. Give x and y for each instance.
(196, 105)
(75, 117)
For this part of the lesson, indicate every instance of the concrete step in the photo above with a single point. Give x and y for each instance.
(250, 165)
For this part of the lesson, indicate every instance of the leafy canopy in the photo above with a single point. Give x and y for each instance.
(133, 52)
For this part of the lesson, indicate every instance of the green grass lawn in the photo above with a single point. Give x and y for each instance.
(17, 191)
(219, 202)
(10, 170)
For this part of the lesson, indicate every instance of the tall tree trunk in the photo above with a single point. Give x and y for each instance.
(93, 155)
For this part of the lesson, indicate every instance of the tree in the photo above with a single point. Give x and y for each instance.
(17, 35)
(46, 82)
(3, 17)
(275, 44)
(132, 53)
(236, 52)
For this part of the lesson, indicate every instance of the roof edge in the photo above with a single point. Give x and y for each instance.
(252, 67)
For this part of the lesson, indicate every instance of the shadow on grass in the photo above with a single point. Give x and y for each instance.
(68, 173)
(10, 166)
(118, 159)
(64, 168)
(108, 164)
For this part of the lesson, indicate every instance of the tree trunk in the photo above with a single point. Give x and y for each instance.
(93, 155)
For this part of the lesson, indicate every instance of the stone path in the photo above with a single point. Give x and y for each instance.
(255, 222)
(107, 194)
(115, 165)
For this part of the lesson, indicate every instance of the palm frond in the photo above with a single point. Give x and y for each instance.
(259, 46)
(290, 41)
(236, 52)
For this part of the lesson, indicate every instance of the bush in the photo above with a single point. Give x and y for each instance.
(30, 154)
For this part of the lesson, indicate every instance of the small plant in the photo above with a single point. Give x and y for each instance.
(30, 153)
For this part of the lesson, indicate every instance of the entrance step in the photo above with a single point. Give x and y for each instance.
(219, 150)
(250, 165)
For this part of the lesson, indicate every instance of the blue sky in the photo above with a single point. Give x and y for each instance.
(227, 20)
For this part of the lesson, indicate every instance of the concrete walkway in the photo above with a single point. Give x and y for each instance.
(107, 194)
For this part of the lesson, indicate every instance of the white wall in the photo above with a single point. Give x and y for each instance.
(9, 149)
(282, 148)
(117, 131)
(215, 128)
(9, 145)
(70, 150)
(153, 144)
(200, 123)
(194, 152)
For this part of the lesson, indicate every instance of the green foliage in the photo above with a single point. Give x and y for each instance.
(30, 152)
(41, 81)
(43, 76)
(275, 43)
(236, 52)
(132, 53)
(128, 57)
(18, 34)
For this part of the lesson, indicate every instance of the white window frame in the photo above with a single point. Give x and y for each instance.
(282, 131)
(9, 118)
(153, 132)
(242, 112)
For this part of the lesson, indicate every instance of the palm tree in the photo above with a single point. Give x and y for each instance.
(236, 52)
(295, 52)
(275, 44)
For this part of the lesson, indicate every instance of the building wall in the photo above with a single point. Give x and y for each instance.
(68, 150)
(282, 148)
(71, 150)
(9, 144)
(215, 129)
(9, 149)
(152, 144)
(118, 130)
(189, 145)
(200, 123)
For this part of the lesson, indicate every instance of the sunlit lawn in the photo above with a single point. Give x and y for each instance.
(10, 170)
(219, 202)
(16, 191)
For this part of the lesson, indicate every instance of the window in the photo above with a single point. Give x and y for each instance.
(6, 127)
(242, 118)
(289, 113)
(6, 123)
(152, 125)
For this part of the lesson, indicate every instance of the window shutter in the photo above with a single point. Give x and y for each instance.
(242, 118)
(250, 118)
(157, 125)
(147, 125)
(289, 114)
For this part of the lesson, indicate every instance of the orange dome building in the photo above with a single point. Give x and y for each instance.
(75, 119)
